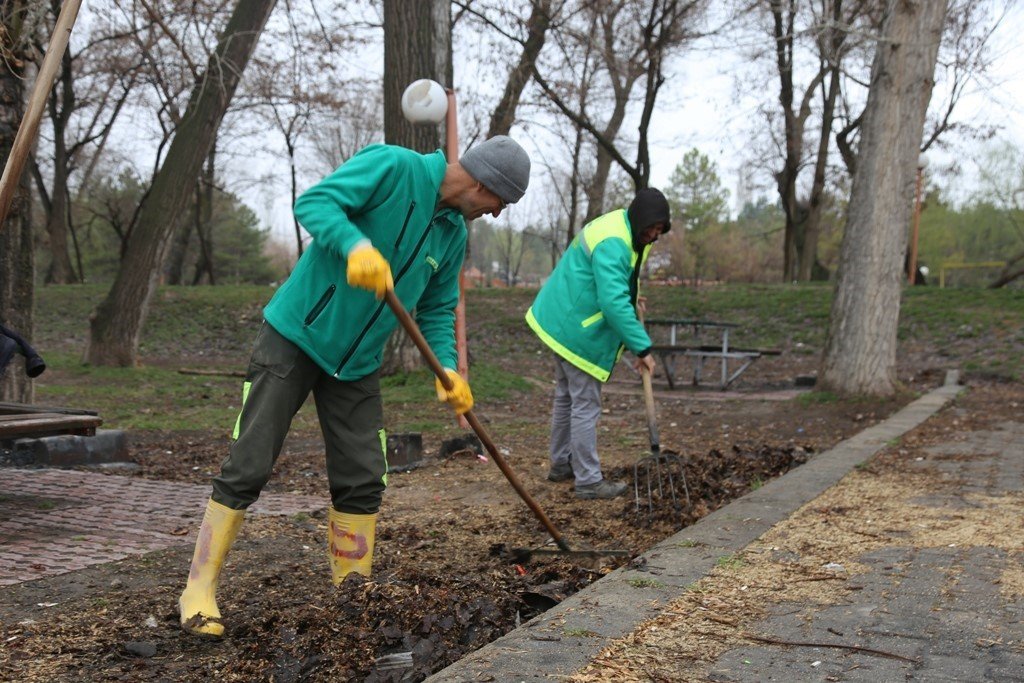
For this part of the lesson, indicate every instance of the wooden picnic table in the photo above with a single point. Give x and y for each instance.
(686, 337)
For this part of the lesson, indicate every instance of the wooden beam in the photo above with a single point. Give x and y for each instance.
(26, 136)
(23, 408)
(45, 425)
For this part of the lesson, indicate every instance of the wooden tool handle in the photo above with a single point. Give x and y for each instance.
(652, 419)
(418, 339)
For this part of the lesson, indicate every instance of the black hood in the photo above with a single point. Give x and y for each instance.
(647, 208)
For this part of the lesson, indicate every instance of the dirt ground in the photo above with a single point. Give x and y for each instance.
(443, 584)
(866, 511)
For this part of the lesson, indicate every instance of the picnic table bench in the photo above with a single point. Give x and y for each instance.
(18, 420)
(669, 353)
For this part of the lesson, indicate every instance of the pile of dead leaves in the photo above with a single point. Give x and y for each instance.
(693, 486)
(403, 627)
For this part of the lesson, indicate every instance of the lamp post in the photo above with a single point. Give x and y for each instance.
(427, 102)
(922, 162)
(452, 150)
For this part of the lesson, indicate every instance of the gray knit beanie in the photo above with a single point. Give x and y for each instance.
(501, 165)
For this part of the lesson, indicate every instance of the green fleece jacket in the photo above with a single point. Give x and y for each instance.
(586, 310)
(388, 195)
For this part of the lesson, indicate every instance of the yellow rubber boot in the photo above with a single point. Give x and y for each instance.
(198, 603)
(350, 543)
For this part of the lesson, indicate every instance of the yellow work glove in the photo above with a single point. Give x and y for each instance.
(368, 269)
(459, 396)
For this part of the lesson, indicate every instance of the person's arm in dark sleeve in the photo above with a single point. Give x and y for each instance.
(34, 364)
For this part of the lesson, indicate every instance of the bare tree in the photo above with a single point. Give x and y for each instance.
(632, 41)
(511, 246)
(138, 50)
(91, 89)
(860, 351)
(289, 84)
(964, 59)
(206, 189)
(1003, 176)
(18, 21)
(827, 30)
(531, 36)
(117, 323)
(356, 123)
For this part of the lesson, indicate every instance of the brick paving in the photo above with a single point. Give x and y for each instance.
(55, 521)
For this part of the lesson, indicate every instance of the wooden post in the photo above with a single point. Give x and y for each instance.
(26, 136)
(452, 150)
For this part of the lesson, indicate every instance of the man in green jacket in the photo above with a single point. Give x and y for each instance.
(586, 314)
(387, 219)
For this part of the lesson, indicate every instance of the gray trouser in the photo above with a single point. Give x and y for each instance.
(574, 422)
(279, 379)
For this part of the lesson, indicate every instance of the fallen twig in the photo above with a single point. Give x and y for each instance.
(219, 373)
(821, 577)
(722, 620)
(841, 646)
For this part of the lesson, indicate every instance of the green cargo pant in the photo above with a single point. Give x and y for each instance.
(279, 378)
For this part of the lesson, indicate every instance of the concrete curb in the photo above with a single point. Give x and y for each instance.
(565, 638)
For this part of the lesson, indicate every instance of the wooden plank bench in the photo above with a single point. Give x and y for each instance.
(669, 353)
(19, 420)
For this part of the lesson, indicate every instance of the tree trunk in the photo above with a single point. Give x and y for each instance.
(598, 187)
(61, 271)
(417, 44)
(574, 198)
(808, 253)
(807, 256)
(117, 323)
(860, 352)
(197, 221)
(205, 193)
(17, 272)
(504, 115)
(295, 196)
(783, 14)
(1013, 269)
(179, 250)
(62, 103)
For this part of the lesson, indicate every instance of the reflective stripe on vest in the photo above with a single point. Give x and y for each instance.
(582, 363)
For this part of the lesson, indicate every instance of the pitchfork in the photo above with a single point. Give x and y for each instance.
(659, 470)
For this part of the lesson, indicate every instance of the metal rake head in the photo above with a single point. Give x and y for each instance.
(656, 480)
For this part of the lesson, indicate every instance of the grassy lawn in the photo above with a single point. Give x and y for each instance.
(213, 327)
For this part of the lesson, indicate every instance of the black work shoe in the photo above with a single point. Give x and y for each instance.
(601, 489)
(561, 472)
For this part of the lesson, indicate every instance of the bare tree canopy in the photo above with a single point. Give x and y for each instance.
(117, 322)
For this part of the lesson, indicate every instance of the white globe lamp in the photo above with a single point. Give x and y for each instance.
(424, 101)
